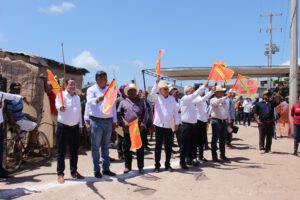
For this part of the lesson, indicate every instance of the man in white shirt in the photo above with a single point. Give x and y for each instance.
(175, 93)
(12, 97)
(202, 119)
(219, 120)
(101, 124)
(165, 111)
(188, 128)
(69, 126)
(247, 110)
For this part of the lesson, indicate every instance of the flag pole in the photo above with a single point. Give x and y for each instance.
(63, 57)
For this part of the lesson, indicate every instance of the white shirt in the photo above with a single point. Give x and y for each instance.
(219, 108)
(201, 107)
(165, 109)
(95, 108)
(86, 116)
(7, 96)
(72, 116)
(247, 106)
(188, 106)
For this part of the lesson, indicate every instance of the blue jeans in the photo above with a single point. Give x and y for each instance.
(219, 131)
(296, 137)
(100, 136)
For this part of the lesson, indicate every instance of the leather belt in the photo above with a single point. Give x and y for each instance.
(99, 118)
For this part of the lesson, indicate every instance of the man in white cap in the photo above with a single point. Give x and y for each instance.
(188, 149)
(219, 120)
(165, 111)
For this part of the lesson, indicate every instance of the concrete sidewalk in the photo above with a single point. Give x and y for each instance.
(250, 175)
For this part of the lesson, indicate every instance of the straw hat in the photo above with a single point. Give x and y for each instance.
(219, 88)
(129, 87)
(162, 84)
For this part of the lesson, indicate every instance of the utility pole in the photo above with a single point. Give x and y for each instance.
(271, 48)
(294, 68)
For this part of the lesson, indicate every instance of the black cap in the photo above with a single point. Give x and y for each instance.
(100, 73)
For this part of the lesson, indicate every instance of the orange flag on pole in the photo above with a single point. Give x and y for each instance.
(56, 87)
(135, 136)
(220, 72)
(245, 86)
(110, 97)
(160, 54)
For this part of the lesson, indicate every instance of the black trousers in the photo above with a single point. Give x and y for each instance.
(120, 145)
(188, 150)
(67, 136)
(144, 134)
(128, 153)
(163, 135)
(201, 137)
(178, 135)
(266, 132)
(239, 117)
(247, 117)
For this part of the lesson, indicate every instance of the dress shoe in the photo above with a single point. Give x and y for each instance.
(267, 151)
(157, 170)
(216, 159)
(60, 179)
(203, 159)
(98, 175)
(183, 166)
(170, 169)
(141, 171)
(195, 163)
(207, 148)
(126, 170)
(76, 175)
(224, 158)
(108, 173)
(295, 153)
(190, 163)
(4, 175)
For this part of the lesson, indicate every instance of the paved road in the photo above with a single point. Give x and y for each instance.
(249, 175)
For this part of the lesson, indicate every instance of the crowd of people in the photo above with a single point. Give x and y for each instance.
(167, 115)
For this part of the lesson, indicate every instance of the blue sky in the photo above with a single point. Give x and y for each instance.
(126, 35)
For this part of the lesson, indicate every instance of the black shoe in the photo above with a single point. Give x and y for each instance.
(195, 163)
(170, 169)
(190, 163)
(108, 173)
(76, 175)
(141, 171)
(207, 148)
(98, 175)
(224, 158)
(147, 149)
(267, 151)
(183, 166)
(261, 148)
(156, 170)
(295, 153)
(4, 175)
(216, 159)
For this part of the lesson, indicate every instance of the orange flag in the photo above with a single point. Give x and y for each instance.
(110, 97)
(157, 69)
(135, 136)
(220, 72)
(245, 86)
(56, 87)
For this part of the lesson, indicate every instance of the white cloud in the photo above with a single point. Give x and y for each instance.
(138, 63)
(86, 60)
(58, 9)
(288, 62)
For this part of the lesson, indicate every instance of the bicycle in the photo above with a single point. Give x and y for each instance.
(20, 145)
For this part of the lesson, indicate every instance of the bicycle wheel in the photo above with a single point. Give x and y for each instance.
(13, 154)
(43, 145)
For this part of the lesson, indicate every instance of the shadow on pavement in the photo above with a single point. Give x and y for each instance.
(24, 179)
(15, 193)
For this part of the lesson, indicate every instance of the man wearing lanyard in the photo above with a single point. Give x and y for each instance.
(101, 125)
(4, 96)
(69, 125)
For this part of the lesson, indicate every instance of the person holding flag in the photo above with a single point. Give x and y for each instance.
(103, 117)
(165, 111)
(132, 110)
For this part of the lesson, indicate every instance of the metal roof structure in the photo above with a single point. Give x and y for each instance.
(201, 73)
